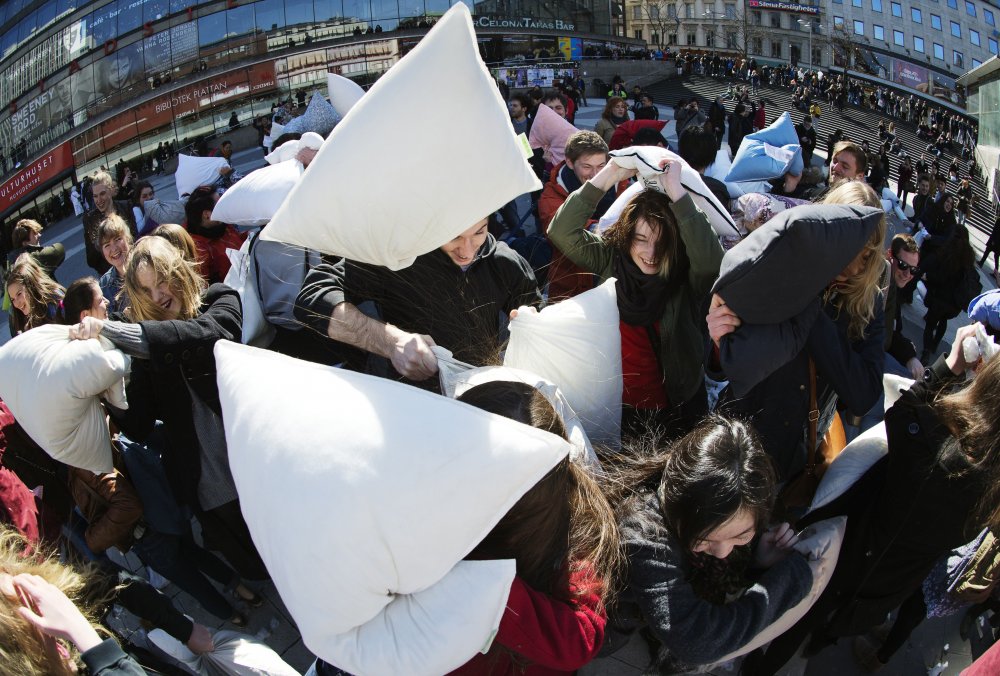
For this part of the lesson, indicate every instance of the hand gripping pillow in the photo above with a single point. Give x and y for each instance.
(768, 153)
(53, 386)
(856, 459)
(811, 244)
(254, 199)
(367, 199)
(197, 171)
(344, 93)
(550, 133)
(626, 131)
(646, 159)
(320, 117)
(820, 544)
(576, 344)
(289, 149)
(433, 631)
(893, 386)
(457, 377)
(393, 485)
(235, 654)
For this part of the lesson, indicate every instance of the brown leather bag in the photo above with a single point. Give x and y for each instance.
(798, 493)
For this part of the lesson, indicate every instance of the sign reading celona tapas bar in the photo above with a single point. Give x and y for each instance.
(46, 167)
(778, 6)
(523, 22)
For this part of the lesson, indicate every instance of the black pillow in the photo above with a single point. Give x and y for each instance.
(780, 267)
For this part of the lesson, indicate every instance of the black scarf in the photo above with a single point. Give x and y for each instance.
(642, 298)
(619, 120)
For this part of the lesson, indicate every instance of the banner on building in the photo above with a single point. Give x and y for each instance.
(35, 175)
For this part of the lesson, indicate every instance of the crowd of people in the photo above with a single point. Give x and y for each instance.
(687, 533)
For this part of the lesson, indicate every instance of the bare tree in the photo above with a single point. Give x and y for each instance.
(661, 16)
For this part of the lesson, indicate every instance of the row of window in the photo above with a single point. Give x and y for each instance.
(897, 10)
(899, 39)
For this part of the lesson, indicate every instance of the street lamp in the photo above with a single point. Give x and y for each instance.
(808, 26)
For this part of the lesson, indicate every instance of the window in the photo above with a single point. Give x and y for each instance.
(755, 18)
(918, 44)
(938, 51)
(976, 63)
(730, 11)
(974, 38)
(898, 38)
(877, 6)
(970, 8)
(988, 15)
(993, 46)
(775, 20)
(859, 27)
(672, 38)
(709, 39)
(671, 12)
(956, 29)
(730, 40)
(856, 3)
(637, 13)
(878, 33)
(775, 49)
(692, 39)
(655, 38)
(838, 2)
(935, 22)
(953, 4)
(638, 32)
(915, 15)
(957, 58)
(757, 45)
(897, 9)
(689, 10)
(838, 22)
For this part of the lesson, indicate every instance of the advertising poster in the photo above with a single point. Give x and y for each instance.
(910, 75)
(46, 167)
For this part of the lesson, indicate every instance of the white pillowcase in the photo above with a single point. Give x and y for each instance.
(400, 640)
(254, 199)
(235, 654)
(393, 485)
(379, 193)
(457, 378)
(277, 130)
(53, 386)
(893, 386)
(193, 172)
(256, 329)
(550, 133)
(344, 93)
(289, 149)
(820, 543)
(576, 344)
(856, 459)
(646, 159)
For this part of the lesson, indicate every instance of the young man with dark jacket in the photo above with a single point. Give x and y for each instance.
(104, 205)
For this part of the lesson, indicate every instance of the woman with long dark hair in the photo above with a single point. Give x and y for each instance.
(944, 298)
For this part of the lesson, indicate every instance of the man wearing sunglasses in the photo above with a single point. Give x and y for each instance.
(901, 355)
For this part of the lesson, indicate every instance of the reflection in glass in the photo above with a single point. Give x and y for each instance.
(129, 16)
(298, 12)
(154, 10)
(269, 15)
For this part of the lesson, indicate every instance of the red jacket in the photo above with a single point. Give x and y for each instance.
(543, 636)
(17, 502)
(758, 118)
(213, 263)
(565, 278)
(626, 131)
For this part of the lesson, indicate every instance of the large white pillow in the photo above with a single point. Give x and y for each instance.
(393, 485)
(550, 133)
(377, 192)
(856, 459)
(820, 543)
(235, 654)
(457, 378)
(256, 329)
(197, 171)
(646, 159)
(254, 199)
(344, 93)
(576, 344)
(53, 386)
(431, 632)
(320, 117)
(289, 149)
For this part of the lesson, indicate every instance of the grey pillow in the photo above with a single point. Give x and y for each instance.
(780, 267)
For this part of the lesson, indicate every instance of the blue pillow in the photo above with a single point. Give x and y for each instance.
(319, 117)
(768, 153)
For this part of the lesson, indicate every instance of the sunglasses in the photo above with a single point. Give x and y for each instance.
(906, 267)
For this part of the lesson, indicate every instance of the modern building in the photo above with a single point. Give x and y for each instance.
(920, 44)
(86, 84)
(983, 87)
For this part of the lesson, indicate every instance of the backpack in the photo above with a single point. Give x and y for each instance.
(967, 288)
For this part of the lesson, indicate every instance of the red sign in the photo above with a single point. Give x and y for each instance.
(46, 167)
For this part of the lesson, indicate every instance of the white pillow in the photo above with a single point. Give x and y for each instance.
(53, 386)
(431, 632)
(894, 386)
(277, 130)
(344, 93)
(856, 459)
(256, 329)
(320, 117)
(193, 172)
(550, 133)
(379, 193)
(235, 654)
(394, 485)
(821, 544)
(646, 159)
(289, 149)
(576, 344)
(457, 378)
(254, 199)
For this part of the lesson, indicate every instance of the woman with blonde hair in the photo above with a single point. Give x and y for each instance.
(35, 298)
(177, 321)
(615, 113)
(179, 237)
(115, 241)
(832, 348)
